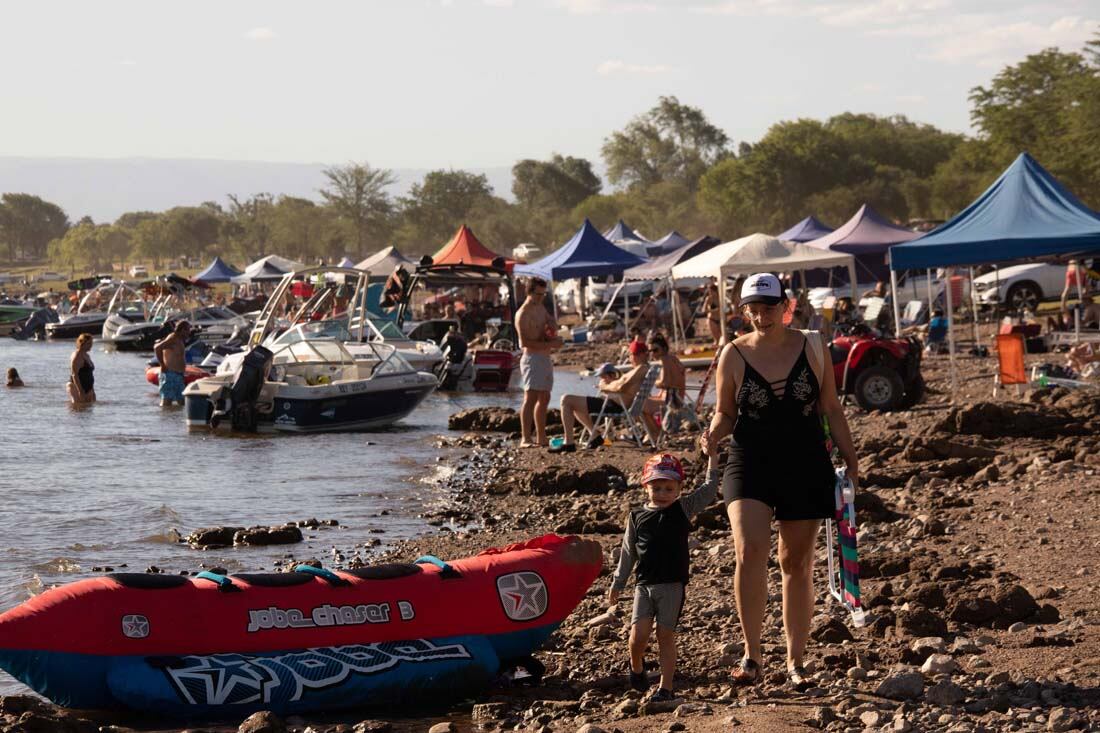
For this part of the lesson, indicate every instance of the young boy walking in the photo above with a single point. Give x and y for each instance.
(656, 541)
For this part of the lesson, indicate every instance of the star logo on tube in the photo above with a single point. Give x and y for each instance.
(523, 595)
(135, 626)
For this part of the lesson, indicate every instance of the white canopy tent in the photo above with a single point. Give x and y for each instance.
(761, 253)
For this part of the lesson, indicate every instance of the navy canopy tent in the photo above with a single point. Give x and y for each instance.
(1025, 214)
(622, 233)
(217, 272)
(671, 241)
(805, 231)
(587, 254)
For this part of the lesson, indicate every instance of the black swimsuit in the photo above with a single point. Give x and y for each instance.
(85, 377)
(778, 453)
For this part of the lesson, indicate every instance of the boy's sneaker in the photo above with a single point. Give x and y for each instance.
(663, 695)
(639, 681)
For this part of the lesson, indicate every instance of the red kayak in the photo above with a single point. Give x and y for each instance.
(190, 374)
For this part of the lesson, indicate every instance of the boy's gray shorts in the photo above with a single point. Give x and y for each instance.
(662, 601)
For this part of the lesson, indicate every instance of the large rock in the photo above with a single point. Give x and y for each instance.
(901, 686)
(918, 621)
(883, 565)
(977, 610)
(213, 537)
(997, 420)
(498, 419)
(559, 480)
(830, 631)
(264, 721)
(1015, 603)
(285, 535)
(945, 693)
(937, 664)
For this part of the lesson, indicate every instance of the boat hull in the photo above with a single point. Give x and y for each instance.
(300, 641)
(379, 404)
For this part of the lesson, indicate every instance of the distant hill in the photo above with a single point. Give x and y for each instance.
(104, 188)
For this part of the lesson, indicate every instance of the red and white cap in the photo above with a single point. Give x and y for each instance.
(662, 466)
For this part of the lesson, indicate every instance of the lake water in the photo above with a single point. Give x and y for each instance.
(107, 484)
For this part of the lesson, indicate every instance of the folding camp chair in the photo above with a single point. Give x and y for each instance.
(914, 313)
(1010, 362)
(842, 551)
(677, 410)
(632, 414)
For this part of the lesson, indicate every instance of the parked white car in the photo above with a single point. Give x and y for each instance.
(139, 271)
(1021, 286)
(49, 275)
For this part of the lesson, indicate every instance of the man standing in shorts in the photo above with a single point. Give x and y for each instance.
(537, 337)
(170, 353)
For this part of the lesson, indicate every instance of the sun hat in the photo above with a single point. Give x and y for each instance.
(762, 287)
(662, 466)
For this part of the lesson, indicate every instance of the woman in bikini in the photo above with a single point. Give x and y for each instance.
(773, 387)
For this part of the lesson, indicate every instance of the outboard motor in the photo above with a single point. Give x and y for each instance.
(240, 403)
(454, 360)
(34, 326)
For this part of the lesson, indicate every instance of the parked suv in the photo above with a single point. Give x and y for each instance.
(1020, 287)
(139, 271)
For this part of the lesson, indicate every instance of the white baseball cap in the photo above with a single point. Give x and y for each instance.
(762, 287)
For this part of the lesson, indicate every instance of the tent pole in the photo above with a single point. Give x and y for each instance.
(852, 282)
(674, 301)
(974, 308)
(1078, 275)
(626, 308)
(583, 282)
(611, 300)
(929, 294)
(894, 299)
(951, 335)
(553, 301)
(722, 307)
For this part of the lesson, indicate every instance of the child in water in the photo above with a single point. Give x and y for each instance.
(656, 541)
(13, 378)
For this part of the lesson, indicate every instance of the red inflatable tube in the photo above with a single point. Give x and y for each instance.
(190, 374)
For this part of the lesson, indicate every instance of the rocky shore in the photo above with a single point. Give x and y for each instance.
(978, 553)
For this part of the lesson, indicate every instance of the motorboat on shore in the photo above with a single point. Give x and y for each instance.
(12, 314)
(491, 365)
(309, 386)
(90, 314)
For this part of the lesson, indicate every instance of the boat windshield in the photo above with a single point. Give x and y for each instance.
(330, 329)
(325, 351)
(388, 330)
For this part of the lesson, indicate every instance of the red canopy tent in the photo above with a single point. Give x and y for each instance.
(465, 248)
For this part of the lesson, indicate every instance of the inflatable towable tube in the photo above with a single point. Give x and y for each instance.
(308, 640)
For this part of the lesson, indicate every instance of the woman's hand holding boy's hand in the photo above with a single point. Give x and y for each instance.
(710, 448)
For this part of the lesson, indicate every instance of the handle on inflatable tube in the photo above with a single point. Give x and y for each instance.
(322, 573)
(224, 584)
(448, 572)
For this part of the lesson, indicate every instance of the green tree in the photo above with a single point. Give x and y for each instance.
(438, 205)
(1047, 106)
(303, 230)
(28, 224)
(670, 142)
(189, 230)
(560, 183)
(357, 194)
(248, 224)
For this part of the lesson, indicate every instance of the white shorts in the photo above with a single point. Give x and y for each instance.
(537, 371)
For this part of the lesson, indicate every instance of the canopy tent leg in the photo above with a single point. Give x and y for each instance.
(929, 294)
(894, 298)
(951, 335)
(852, 282)
(678, 335)
(722, 307)
(553, 300)
(626, 309)
(583, 285)
(973, 308)
(1078, 275)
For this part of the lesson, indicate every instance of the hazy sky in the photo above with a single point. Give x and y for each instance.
(437, 83)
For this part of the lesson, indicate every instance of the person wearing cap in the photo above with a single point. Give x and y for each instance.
(774, 385)
(579, 408)
(655, 549)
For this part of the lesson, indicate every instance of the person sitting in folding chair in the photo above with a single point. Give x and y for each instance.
(672, 381)
(579, 408)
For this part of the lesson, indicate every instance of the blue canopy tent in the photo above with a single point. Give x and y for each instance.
(806, 230)
(217, 272)
(1025, 214)
(671, 241)
(622, 233)
(587, 254)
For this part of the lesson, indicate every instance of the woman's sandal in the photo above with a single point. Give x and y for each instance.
(747, 673)
(799, 678)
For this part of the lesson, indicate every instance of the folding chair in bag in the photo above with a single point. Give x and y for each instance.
(632, 413)
(842, 552)
(677, 410)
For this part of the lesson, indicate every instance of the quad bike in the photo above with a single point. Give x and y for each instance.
(881, 373)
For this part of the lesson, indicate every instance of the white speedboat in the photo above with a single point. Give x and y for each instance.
(90, 314)
(309, 386)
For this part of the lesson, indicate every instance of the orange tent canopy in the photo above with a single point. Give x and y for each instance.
(465, 248)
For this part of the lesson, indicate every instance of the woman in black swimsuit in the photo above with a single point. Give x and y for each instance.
(772, 391)
(81, 385)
